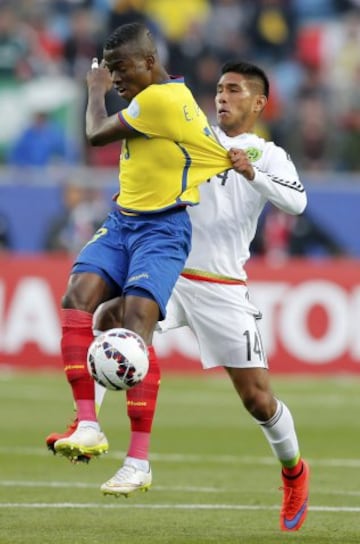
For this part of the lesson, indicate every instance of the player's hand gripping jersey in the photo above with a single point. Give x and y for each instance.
(225, 222)
(177, 152)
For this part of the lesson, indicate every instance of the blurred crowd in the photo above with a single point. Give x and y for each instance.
(311, 50)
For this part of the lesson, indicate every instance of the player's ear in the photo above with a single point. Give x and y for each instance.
(260, 102)
(150, 61)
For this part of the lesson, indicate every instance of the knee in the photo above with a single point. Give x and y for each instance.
(108, 315)
(70, 301)
(85, 292)
(260, 404)
(74, 299)
(141, 315)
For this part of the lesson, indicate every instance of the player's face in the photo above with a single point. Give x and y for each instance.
(238, 103)
(130, 71)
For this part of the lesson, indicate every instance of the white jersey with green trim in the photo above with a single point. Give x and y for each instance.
(225, 221)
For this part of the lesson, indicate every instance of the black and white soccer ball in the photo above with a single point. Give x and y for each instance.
(118, 359)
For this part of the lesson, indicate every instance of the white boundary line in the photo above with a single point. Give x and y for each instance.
(180, 489)
(191, 458)
(64, 505)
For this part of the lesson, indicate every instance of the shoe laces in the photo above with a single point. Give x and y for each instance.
(293, 499)
(124, 474)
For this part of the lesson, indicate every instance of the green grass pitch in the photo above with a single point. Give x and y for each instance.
(215, 480)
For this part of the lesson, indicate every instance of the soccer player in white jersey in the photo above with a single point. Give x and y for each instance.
(212, 288)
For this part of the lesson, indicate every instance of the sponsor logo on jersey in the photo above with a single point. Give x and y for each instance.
(139, 277)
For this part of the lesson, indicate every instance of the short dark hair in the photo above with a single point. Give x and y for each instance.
(127, 33)
(250, 71)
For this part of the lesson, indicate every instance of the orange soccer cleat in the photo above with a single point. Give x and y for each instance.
(295, 500)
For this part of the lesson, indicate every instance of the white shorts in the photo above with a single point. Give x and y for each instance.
(223, 320)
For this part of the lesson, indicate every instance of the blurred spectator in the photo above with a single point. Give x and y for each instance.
(183, 55)
(281, 236)
(122, 12)
(341, 46)
(127, 11)
(27, 48)
(308, 238)
(83, 43)
(14, 48)
(207, 69)
(60, 12)
(225, 30)
(273, 29)
(310, 46)
(84, 212)
(173, 18)
(42, 143)
(313, 143)
(346, 5)
(310, 49)
(47, 46)
(349, 128)
(273, 238)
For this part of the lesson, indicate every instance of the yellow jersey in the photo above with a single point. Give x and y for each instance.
(175, 150)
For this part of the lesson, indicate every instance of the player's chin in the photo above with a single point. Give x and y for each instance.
(125, 95)
(221, 121)
(130, 92)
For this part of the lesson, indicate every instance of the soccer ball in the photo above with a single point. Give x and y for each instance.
(118, 359)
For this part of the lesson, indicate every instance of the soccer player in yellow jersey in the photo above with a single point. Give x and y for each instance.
(168, 150)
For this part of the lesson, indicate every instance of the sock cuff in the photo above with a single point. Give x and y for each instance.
(76, 318)
(275, 418)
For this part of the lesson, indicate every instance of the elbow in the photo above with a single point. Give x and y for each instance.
(95, 141)
(303, 203)
(93, 138)
(299, 205)
(296, 205)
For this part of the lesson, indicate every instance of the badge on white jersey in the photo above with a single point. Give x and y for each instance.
(253, 154)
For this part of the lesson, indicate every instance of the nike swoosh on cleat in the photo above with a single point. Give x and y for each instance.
(291, 523)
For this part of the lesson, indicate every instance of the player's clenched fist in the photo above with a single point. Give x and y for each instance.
(99, 76)
(241, 163)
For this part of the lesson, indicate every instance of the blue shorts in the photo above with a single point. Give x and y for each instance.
(145, 252)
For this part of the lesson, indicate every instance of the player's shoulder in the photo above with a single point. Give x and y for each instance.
(164, 95)
(259, 148)
(171, 86)
(254, 145)
(243, 139)
(154, 99)
(260, 151)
